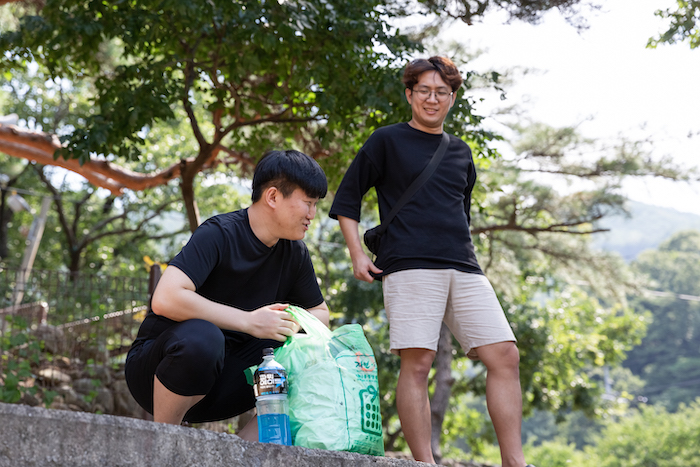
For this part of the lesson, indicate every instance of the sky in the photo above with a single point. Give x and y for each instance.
(605, 80)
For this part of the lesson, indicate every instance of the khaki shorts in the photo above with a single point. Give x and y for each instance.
(417, 301)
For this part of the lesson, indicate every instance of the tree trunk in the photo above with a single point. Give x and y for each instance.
(390, 444)
(187, 190)
(442, 382)
(5, 218)
(74, 260)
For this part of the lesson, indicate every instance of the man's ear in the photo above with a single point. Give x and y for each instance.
(271, 196)
(409, 95)
(453, 98)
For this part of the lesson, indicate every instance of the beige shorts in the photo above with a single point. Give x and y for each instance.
(417, 301)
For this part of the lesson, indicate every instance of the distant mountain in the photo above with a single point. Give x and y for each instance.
(645, 228)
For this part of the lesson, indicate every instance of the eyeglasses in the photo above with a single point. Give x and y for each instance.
(440, 94)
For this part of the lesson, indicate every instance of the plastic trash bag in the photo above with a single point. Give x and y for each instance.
(333, 387)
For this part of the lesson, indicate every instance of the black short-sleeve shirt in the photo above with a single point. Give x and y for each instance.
(228, 264)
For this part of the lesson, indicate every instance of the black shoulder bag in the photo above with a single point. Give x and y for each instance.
(373, 236)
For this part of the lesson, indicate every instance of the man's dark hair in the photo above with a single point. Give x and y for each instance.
(287, 171)
(444, 66)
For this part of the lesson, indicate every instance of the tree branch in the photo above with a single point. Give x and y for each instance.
(40, 147)
(58, 201)
(562, 227)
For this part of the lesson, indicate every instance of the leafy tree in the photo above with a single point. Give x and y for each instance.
(667, 359)
(470, 11)
(81, 229)
(558, 454)
(80, 224)
(248, 76)
(651, 437)
(684, 24)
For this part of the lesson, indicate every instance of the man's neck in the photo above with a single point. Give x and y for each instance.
(435, 131)
(259, 225)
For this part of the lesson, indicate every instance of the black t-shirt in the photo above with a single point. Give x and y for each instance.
(228, 264)
(431, 231)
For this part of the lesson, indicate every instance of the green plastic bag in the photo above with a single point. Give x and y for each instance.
(333, 387)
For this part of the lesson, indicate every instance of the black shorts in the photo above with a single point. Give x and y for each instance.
(195, 357)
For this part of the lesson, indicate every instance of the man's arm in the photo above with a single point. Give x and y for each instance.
(176, 298)
(361, 264)
(322, 313)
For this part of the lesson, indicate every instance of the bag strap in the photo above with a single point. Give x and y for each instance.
(418, 182)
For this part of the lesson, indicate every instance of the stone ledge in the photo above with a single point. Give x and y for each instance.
(37, 437)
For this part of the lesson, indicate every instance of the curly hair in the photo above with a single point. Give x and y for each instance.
(444, 66)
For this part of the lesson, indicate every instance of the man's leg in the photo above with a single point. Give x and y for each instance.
(169, 407)
(504, 399)
(412, 402)
(250, 430)
(188, 356)
(415, 300)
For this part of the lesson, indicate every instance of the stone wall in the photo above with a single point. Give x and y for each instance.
(37, 437)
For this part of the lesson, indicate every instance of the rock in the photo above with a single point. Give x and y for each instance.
(29, 399)
(54, 338)
(104, 374)
(59, 406)
(105, 399)
(124, 403)
(53, 375)
(85, 385)
(73, 399)
(62, 362)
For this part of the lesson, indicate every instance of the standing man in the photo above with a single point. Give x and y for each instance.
(221, 301)
(426, 260)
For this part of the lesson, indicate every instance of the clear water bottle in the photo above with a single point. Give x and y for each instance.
(271, 401)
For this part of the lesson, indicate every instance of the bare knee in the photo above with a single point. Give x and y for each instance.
(503, 356)
(416, 363)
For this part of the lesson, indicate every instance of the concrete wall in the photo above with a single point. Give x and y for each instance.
(31, 436)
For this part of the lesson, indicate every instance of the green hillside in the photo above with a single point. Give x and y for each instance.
(646, 227)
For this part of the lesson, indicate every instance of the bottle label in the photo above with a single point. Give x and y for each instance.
(270, 381)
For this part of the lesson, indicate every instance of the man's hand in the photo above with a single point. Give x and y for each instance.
(271, 322)
(362, 266)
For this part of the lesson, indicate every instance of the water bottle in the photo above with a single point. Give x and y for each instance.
(271, 401)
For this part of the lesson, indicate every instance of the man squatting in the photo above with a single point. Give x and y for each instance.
(221, 300)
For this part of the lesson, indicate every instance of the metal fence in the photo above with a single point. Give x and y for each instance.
(87, 316)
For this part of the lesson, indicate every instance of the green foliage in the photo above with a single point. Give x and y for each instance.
(249, 63)
(649, 437)
(530, 11)
(249, 76)
(466, 427)
(667, 359)
(85, 228)
(19, 356)
(558, 454)
(563, 341)
(43, 102)
(684, 24)
(652, 437)
(563, 151)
